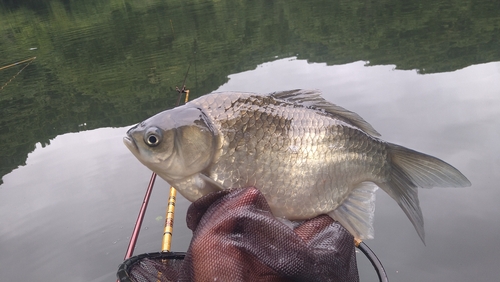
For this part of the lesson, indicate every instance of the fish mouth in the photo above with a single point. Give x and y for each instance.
(130, 143)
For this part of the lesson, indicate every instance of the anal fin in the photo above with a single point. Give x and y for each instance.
(357, 211)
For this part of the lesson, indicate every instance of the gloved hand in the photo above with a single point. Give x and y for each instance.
(236, 238)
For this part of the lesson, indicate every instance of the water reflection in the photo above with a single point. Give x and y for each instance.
(111, 63)
(69, 200)
(74, 204)
(452, 116)
(68, 213)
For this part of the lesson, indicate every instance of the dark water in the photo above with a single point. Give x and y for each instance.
(426, 75)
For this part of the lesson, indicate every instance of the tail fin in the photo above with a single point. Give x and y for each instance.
(411, 169)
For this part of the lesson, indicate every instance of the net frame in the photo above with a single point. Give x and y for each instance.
(132, 269)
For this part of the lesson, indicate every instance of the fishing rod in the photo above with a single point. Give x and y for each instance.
(168, 228)
(169, 217)
(144, 206)
(140, 217)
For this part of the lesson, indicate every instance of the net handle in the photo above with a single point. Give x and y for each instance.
(379, 268)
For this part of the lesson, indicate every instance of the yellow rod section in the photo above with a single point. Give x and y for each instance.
(357, 242)
(168, 229)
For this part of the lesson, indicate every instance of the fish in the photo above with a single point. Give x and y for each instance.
(307, 156)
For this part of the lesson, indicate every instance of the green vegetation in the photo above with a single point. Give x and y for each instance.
(115, 62)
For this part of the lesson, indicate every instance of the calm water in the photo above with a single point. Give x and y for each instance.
(426, 77)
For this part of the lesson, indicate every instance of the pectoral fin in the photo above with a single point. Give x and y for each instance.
(210, 183)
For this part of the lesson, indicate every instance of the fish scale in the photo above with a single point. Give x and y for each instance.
(306, 155)
(302, 136)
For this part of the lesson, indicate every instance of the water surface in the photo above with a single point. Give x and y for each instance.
(426, 77)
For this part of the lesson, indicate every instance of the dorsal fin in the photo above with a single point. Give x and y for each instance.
(313, 99)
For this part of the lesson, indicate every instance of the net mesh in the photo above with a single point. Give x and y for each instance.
(236, 238)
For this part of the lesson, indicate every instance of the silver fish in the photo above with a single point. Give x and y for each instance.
(306, 155)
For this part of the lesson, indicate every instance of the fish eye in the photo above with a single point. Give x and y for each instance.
(153, 137)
